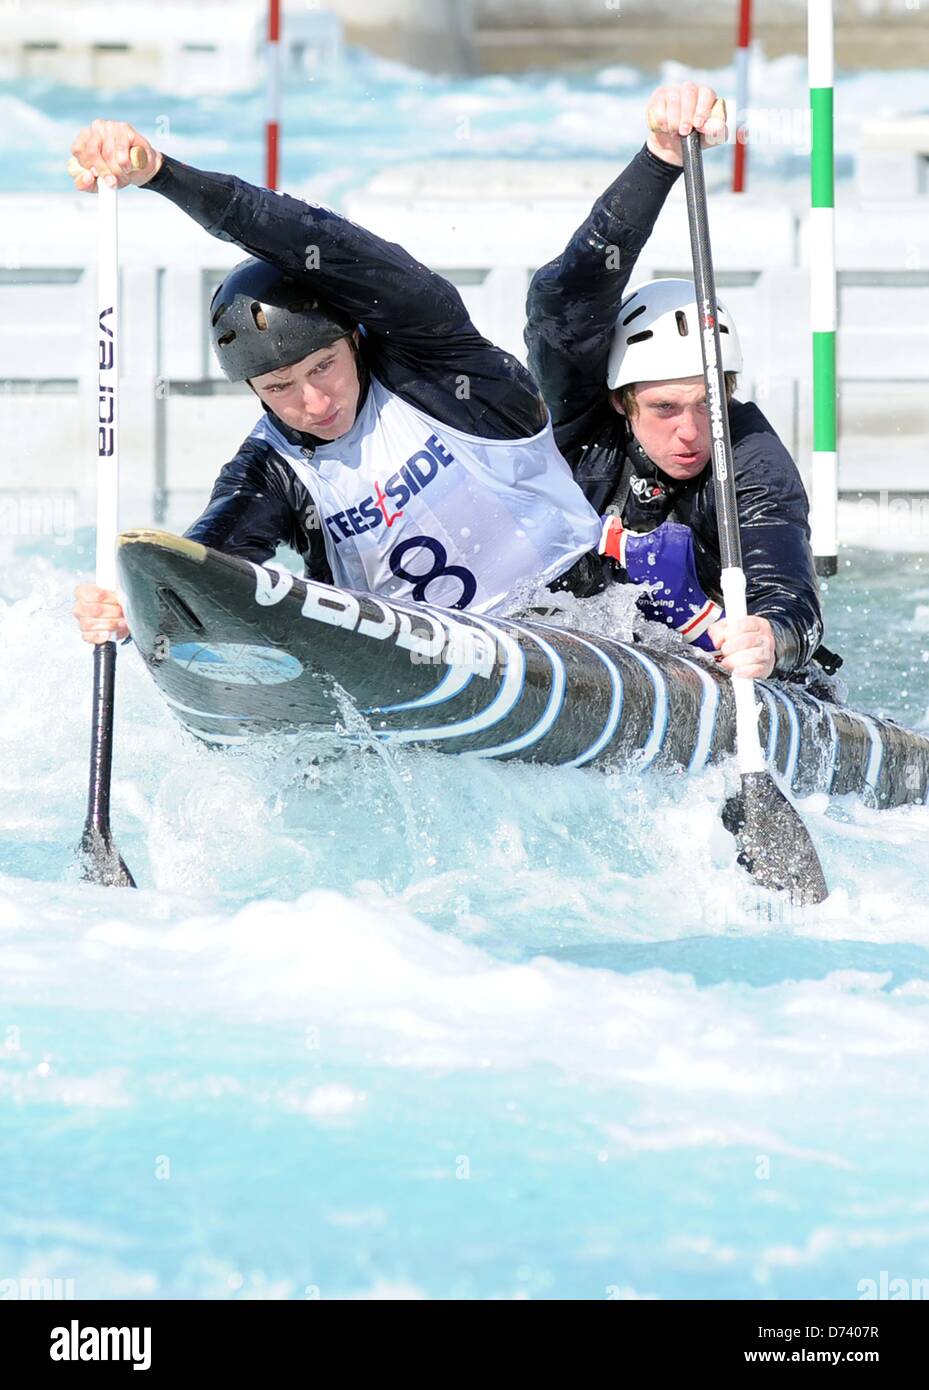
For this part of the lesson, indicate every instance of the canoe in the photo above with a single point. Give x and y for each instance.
(240, 650)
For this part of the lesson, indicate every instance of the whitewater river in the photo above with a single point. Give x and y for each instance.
(399, 1025)
(348, 124)
(406, 1025)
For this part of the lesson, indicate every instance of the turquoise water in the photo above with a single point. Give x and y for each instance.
(403, 1026)
(410, 1026)
(344, 127)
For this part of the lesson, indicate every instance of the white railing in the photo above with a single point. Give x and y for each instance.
(181, 421)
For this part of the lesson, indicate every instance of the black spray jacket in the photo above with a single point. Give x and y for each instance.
(417, 340)
(572, 310)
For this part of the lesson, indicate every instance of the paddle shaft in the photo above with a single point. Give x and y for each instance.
(748, 742)
(101, 746)
(705, 282)
(101, 739)
(102, 863)
(107, 384)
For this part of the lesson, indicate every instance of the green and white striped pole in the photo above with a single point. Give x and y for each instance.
(825, 475)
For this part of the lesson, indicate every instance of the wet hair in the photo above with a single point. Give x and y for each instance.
(625, 395)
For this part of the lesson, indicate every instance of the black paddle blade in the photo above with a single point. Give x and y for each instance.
(101, 862)
(774, 844)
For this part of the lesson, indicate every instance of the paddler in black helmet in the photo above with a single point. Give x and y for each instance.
(622, 374)
(398, 452)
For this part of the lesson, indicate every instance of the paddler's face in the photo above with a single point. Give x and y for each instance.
(672, 425)
(317, 395)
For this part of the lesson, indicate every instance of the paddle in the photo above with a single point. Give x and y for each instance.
(774, 844)
(101, 861)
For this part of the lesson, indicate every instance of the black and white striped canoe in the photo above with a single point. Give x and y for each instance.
(239, 650)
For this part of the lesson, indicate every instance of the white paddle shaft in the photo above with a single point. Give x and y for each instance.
(748, 740)
(107, 384)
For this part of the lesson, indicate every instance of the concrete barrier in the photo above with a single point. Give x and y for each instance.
(198, 47)
(893, 158)
(212, 45)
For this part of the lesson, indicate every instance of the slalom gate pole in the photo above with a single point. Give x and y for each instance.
(743, 44)
(273, 100)
(823, 297)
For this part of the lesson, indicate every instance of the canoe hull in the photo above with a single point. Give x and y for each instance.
(240, 650)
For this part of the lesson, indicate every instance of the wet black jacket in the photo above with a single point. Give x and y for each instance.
(417, 339)
(572, 309)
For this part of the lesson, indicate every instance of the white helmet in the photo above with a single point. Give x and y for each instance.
(657, 336)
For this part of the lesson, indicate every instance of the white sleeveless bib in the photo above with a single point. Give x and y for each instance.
(411, 508)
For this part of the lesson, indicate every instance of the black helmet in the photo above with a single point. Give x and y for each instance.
(262, 320)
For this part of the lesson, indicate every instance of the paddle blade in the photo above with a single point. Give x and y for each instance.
(774, 844)
(101, 862)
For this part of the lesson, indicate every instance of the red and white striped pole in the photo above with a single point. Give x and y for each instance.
(272, 123)
(741, 94)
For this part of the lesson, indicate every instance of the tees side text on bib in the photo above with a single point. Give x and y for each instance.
(411, 508)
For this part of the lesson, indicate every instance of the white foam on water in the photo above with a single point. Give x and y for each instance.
(493, 1011)
(406, 115)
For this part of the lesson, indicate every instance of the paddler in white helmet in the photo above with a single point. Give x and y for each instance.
(622, 373)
